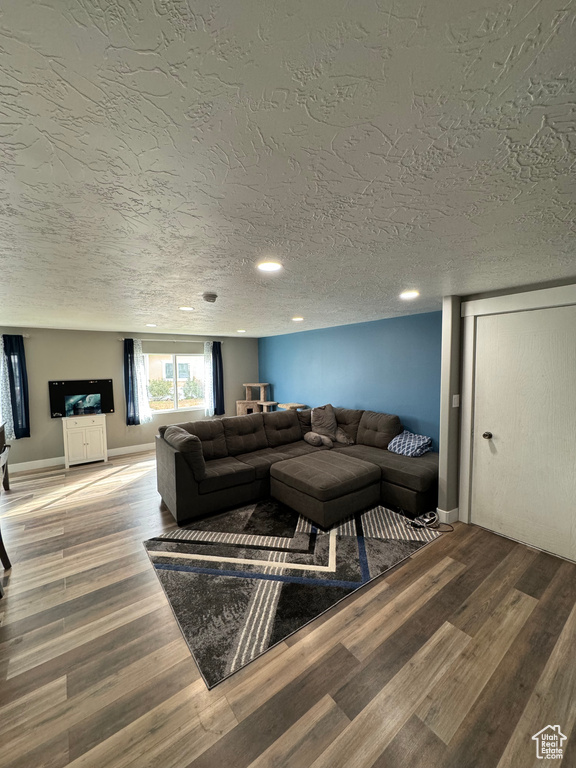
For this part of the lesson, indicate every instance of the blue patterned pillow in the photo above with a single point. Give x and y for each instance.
(409, 444)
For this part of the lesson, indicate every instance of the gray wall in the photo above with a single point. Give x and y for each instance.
(59, 354)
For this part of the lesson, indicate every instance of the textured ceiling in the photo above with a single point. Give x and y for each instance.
(151, 150)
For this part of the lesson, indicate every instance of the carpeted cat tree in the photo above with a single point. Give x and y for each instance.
(251, 405)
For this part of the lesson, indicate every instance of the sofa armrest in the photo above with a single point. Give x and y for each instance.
(175, 481)
(191, 448)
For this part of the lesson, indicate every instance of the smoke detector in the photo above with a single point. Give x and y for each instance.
(210, 297)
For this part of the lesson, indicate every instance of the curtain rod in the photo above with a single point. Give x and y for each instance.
(173, 341)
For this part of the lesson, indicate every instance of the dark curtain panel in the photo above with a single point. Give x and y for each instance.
(218, 378)
(130, 383)
(18, 378)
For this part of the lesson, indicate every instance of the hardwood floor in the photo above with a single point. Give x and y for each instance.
(453, 659)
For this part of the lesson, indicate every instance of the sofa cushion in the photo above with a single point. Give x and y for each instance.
(281, 427)
(262, 460)
(300, 448)
(418, 474)
(409, 444)
(348, 420)
(190, 446)
(326, 475)
(342, 437)
(244, 433)
(324, 421)
(377, 429)
(314, 439)
(305, 419)
(225, 473)
(210, 432)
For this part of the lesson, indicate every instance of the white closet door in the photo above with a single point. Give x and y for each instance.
(524, 476)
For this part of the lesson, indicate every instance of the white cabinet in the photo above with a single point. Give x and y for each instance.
(85, 439)
(75, 446)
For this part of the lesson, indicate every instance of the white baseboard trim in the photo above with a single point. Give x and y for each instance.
(450, 516)
(26, 466)
(131, 449)
(58, 461)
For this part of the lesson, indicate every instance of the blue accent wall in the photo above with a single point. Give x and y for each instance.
(388, 365)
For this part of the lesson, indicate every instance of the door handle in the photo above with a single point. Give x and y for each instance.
(487, 435)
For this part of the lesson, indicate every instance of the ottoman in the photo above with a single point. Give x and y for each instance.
(326, 486)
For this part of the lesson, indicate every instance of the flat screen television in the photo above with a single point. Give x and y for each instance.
(80, 397)
(82, 405)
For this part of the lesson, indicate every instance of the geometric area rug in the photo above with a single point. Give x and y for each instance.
(242, 581)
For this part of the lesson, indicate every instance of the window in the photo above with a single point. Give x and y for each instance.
(183, 369)
(165, 394)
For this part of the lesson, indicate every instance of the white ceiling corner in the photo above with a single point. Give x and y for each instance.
(151, 151)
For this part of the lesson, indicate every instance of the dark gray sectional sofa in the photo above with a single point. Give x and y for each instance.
(207, 466)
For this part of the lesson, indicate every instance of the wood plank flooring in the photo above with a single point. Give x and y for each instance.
(453, 659)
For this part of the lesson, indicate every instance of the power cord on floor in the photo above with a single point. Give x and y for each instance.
(446, 527)
(430, 520)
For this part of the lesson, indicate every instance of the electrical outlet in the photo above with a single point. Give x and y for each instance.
(455, 401)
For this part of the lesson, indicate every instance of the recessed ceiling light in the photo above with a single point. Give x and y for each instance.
(409, 294)
(186, 309)
(150, 325)
(297, 319)
(269, 266)
(240, 331)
